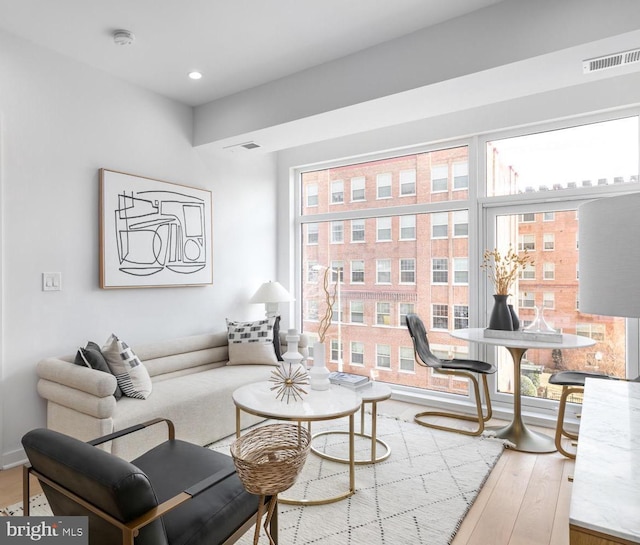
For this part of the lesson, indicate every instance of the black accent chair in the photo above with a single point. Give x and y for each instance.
(470, 369)
(572, 382)
(177, 493)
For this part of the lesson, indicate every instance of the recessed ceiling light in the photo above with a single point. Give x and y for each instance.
(195, 75)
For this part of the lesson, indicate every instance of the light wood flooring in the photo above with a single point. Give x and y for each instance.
(525, 500)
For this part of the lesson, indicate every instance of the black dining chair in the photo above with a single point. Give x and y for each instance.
(572, 382)
(470, 369)
(177, 493)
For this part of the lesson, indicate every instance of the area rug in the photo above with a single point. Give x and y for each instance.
(419, 495)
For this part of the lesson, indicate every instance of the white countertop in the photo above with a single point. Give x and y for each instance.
(606, 487)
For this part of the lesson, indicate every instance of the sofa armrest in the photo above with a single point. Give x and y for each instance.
(85, 379)
(72, 398)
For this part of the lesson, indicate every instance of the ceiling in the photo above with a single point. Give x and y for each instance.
(236, 44)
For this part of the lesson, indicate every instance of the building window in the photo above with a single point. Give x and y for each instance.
(383, 356)
(357, 271)
(312, 310)
(407, 182)
(549, 240)
(440, 225)
(337, 232)
(357, 312)
(312, 195)
(526, 242)
(404, 309)
(383, 313)
(358, 189)
(312, 233)
(440, 315)
(357, 353)
(337, 271)
(407, 227)
(549, 300)
(383, 271)
(460, 270)
(407, 359)
(440, 270)
(527, 218)
(337, 192)
(549, 271)
(528, 273)
(383, 186)
(461, 223)
(526, 300)
(336, 350)
(460, 316)
(312, 272)
(461, 175)
(383, 229)
(548, 216)
(357, 231)
(439, 178)
(593, 331)
(407, 271)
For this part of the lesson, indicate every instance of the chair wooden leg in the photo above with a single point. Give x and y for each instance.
(480, 418)
(560, 430)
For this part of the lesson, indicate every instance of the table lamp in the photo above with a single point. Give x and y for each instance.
(609, 256)
(271, 293)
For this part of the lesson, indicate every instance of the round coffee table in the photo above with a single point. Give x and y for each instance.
(336, 402)
(369, 394)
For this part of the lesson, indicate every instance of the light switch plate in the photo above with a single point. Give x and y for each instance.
(51, 281)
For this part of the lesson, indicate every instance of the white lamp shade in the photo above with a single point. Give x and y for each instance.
(270, 292)
(609, 256)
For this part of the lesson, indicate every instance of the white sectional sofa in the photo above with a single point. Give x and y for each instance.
(192, 386)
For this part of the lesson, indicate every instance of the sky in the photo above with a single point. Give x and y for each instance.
(588, 152)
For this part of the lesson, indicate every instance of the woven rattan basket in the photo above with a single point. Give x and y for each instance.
(269, 459)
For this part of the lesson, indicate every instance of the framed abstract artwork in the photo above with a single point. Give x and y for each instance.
(153, 233)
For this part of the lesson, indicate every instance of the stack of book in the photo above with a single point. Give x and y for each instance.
(350, 380)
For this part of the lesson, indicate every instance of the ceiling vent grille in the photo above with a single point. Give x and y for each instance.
(245, 146)
(611, 61)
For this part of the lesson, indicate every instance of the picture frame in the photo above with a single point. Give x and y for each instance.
(153, 233)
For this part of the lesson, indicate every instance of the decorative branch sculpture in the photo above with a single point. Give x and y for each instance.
(330, 299)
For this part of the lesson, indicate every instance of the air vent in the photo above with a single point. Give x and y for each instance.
(245, 146)
(611, 61)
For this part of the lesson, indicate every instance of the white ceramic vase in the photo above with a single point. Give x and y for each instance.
(292, 358)
(319, 374)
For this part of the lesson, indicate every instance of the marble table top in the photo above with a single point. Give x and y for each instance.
(606, 487)
(476, 334)
(258, 398)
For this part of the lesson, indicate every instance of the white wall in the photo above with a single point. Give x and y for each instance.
(60, 122)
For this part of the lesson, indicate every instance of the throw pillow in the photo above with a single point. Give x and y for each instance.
(251, 342)
(91, 356)
(131, 374)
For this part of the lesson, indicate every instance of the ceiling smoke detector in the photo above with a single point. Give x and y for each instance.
(123, 37)
(611, 61)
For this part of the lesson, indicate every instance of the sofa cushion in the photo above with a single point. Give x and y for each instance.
(91, 356)
(251, 342)
(131, 374)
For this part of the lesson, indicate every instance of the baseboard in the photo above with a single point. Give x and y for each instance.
(14, 458)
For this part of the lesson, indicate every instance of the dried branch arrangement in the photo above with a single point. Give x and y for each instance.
(330, 299)
(503, 269)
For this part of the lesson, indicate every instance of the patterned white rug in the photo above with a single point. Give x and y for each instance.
(418, 495)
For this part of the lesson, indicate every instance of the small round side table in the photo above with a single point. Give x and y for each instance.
(369, 394)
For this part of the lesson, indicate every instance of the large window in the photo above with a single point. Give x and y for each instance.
(403, 233)
(410, 230)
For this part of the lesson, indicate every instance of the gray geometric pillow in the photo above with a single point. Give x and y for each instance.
(131, 374)
(251, 342)
(92, 357)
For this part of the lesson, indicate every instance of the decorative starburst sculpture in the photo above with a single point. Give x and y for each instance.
(289, 381)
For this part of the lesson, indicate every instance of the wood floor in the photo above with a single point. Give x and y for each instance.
(525, 500)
